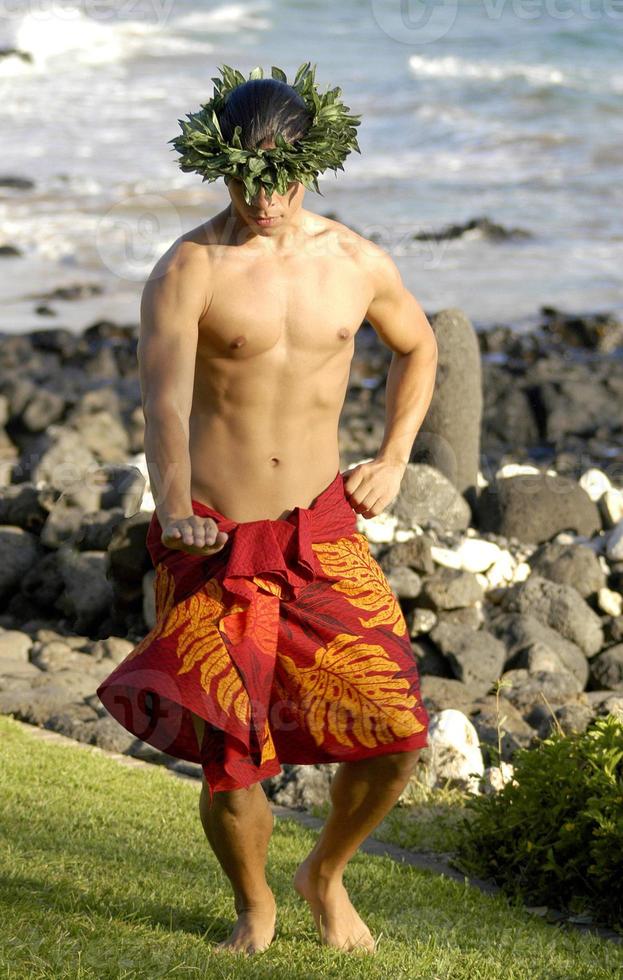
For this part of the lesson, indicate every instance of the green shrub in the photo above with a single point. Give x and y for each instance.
(554, 835)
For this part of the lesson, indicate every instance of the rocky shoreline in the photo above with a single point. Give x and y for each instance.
(505, 545)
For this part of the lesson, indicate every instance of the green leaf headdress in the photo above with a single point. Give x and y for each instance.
(328, 141)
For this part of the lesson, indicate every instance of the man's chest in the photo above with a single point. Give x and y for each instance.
(310, 306)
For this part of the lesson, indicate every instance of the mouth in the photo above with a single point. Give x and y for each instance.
(264, 219)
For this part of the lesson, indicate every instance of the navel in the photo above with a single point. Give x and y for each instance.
(239, 341)
(343, 333)
(274, 461)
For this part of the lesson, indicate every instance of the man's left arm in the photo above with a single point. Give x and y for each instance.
(401, 324)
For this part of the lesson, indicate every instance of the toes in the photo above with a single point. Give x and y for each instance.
(364, 944)
(230, 945)
(240, 947)
(225, 946)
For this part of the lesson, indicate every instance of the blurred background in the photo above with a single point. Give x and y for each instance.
(501, 119)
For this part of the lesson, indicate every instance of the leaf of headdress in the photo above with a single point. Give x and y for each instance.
(302, 71)
(235, 139)
(280, 141)
(256, 164)
(282, 182)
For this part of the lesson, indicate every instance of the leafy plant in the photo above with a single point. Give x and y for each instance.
(328, 141)
(554, 834)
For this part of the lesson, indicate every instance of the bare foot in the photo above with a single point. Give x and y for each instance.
(254, 929)
(337, 920)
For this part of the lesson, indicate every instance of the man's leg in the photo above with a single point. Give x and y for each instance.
(362, 793)
(238, 826)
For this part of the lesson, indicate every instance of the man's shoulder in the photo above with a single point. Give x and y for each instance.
(184, 258)
(352, 241)
(374, 262)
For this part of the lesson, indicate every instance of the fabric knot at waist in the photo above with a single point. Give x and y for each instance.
(282, 547)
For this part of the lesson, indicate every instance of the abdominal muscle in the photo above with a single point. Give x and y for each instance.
(261, 464)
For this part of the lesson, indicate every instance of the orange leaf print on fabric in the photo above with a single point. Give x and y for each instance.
(197, 617)
(361, 580)
(200, 643)
(260, 620)
(268, 748)
(230, 692)
(268, 585)
(350, 688)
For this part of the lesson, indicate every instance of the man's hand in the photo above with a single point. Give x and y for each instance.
(194, 534)
(371, 487)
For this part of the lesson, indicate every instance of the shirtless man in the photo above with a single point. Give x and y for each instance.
(247, 335)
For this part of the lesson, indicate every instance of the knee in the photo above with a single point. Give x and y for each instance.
(234, 802)
(401, 765)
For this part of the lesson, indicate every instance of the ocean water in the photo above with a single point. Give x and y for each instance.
(510, 110)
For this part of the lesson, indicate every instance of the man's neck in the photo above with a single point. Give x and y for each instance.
(282, 240)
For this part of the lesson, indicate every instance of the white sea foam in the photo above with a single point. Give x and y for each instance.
(484, 161)
(72, 38)
(451, 66)
(226, 18)
(46, 36)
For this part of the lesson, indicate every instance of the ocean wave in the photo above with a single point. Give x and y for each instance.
(483, 163)
(48, 36)
(67, 37)
(226, 18)
(451, 66)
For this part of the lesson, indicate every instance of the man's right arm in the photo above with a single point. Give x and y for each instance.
(174, 298)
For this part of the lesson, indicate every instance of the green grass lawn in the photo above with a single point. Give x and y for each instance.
(106, 873)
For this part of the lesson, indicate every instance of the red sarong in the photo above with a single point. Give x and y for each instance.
(289, 643)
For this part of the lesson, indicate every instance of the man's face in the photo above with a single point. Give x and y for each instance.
(279, 208)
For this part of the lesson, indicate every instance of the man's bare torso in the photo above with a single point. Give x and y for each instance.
(274, 349)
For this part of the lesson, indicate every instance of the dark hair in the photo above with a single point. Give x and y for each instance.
(264, 107)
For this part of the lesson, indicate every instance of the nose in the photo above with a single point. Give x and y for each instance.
(261, 199)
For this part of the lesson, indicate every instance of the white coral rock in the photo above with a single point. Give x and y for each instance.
(454, 751)
(595, 483)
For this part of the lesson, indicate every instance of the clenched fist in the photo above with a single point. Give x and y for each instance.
(194, 534)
